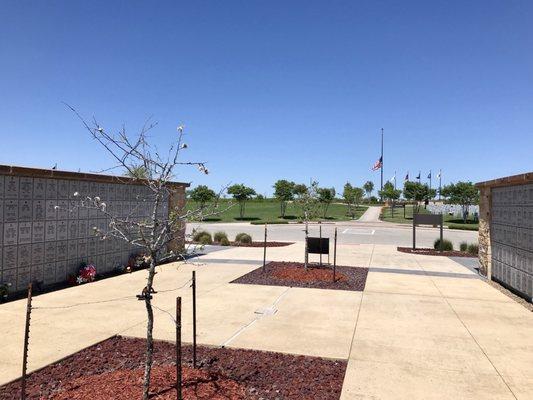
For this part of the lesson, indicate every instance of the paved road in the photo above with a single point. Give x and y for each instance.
(352, 232)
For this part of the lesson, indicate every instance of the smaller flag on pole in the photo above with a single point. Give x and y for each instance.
(429, 175)
(406, 177)
(393, 179)
(438, 176)
(378, 164)
(418, 177)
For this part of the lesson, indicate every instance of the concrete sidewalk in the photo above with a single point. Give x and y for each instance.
(425, 327)
(371, 214)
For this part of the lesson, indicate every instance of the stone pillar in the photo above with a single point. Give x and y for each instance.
(484, 230)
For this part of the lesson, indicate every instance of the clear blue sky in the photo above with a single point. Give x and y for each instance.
(275, 89)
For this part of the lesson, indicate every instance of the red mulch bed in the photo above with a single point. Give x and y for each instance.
(253, 244)
(113, 369)
(433, 252)
(286, 273)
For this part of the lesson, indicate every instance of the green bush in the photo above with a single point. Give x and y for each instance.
(446, 245)
(224, 241)
(463, 246)
(203, 237)
(473, 248)
(219, 236)
(243, 238)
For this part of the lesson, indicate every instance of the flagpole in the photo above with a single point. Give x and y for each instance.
(430, 179)
(440, 181)
(394, 180)
(381, 158)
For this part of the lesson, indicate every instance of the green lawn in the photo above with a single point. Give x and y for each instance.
(258, 212)
(449, 220)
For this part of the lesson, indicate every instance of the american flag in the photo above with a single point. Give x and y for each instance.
(378, 164)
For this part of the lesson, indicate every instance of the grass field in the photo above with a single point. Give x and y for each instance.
(449, 220)
(261, 211)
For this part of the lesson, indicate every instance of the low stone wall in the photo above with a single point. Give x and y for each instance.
(45, 235)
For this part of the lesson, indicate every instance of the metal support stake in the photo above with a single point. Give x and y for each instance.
(178, 348)
(194, 319)
(26, 340)
(320, 231)
(265, 249)
(306, 257)
(414, 233)
(441, 234)
(335, 254)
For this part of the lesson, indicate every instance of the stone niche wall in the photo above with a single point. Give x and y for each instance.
(45, 235)
(506, 232)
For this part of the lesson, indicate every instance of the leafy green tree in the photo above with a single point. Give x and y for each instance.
(326, 197)
(389, 193)
(241, 194)
(369, 188)
(284, 192)
(352, 197)
(417, 192)
(463, 193)
(137, 171)
(202, 195)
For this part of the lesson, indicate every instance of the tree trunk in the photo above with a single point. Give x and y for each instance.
(282, 205)
(149, 329)
(242, 210)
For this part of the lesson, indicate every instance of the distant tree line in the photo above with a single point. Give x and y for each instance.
(314, 201)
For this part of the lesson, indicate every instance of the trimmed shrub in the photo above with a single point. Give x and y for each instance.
(203, 237)
(224, 241)
(219, 236)
(473, 248)
(243, 238)
(463, 246)
(446, 245)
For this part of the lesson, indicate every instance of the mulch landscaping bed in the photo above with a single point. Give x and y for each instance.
(433, 252)
(253, 244)
(113, 369)
(284, 273)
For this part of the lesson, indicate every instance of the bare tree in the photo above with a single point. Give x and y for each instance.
(307, 200)
(154, 233)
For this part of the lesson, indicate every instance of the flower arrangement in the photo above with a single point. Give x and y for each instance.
(4, 291)
(86, 274)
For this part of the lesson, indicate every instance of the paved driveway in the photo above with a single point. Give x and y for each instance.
(424, 328)
(349, 232)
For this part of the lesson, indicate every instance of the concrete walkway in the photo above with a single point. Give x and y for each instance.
(424, 328)
(371, 214)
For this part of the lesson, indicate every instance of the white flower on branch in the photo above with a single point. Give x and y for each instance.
(103, 206)
(180, 129)
(76, 194)
(56, 207)
(97, 199)
(184, 146)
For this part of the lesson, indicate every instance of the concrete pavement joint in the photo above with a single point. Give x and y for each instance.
(257, 318)
(470, 333)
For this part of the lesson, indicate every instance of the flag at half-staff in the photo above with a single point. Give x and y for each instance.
(378, 164)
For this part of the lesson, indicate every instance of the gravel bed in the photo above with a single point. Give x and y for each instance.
(285, 273)
(433, 252)
(113, 369)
